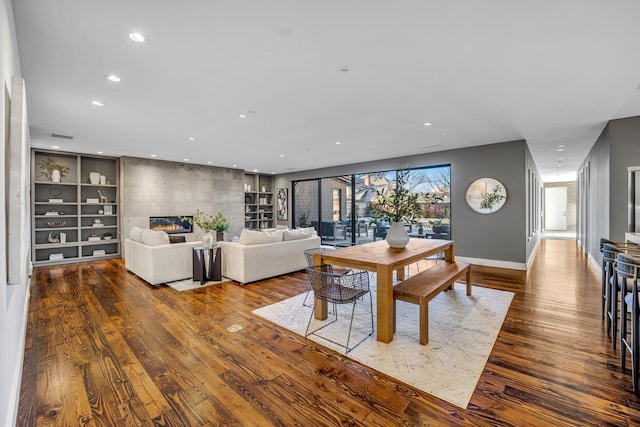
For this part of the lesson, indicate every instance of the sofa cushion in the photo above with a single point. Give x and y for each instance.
(136, 234)
(253, 237)
(155, 238)
(298, 233)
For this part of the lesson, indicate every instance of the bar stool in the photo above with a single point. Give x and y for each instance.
(627, 274)
(610, 288)
(603, 274)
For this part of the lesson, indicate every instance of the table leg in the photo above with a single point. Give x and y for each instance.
(320, 310)
(215, 269)
(384, 305)
(449, 254)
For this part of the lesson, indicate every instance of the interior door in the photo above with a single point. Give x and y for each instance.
(555, 208)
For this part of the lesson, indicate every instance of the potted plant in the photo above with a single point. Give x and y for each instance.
(53, 170)
(108, 235)
(209, 223)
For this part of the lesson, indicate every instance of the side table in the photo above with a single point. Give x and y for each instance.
(206, 264)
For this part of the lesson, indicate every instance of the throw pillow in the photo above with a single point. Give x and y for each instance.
(136, 234)
(177, 239)
(254, 237)
(298, 233)
(155, 238)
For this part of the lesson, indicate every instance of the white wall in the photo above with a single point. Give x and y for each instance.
(13, 299)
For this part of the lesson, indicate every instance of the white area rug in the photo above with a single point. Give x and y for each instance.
(462, 331)
(188, 284)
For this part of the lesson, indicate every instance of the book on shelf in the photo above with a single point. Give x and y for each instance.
(94, 238)
(56, 257)
(93, 200)
(99, 252)
(56, 200)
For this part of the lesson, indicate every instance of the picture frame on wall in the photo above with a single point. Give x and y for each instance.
(282, 198)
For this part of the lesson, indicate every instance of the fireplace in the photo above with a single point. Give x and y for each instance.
(171, 224)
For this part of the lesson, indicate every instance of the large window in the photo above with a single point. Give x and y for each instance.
(340, 207)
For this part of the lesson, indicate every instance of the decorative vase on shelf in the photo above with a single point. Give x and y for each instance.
(94, 178)
(397, 237)
(55, 175)
(207, 239)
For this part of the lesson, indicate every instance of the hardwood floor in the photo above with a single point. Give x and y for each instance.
(106, 349)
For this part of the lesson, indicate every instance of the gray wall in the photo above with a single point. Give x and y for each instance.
(159, 188)
(500, 236)
(617, 148)
(624, 148)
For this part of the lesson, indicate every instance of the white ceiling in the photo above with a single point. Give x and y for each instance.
(552, 72)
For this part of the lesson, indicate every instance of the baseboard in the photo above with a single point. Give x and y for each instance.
(14, 395)
(493, 263)
(597, 266)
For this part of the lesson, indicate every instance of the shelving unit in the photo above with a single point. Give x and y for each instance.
(258, 201)
(71, 221)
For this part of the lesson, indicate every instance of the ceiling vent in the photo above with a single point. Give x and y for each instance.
(57, 135)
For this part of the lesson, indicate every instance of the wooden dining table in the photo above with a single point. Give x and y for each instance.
(383, 260)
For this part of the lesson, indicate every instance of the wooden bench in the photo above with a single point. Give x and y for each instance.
(424, 286)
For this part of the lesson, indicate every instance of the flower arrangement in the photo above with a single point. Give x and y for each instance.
(491, 198)
(208, 222)
(49, 165)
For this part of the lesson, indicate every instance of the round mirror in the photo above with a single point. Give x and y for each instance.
(486, 195)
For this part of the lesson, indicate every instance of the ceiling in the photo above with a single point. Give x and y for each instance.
(480, 71)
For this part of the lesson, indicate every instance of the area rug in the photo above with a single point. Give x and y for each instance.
(462, 332)
(189, 284)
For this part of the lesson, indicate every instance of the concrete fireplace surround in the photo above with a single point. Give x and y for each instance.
(151, 188)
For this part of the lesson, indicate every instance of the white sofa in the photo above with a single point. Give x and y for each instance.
(149, 255)
(248, 261)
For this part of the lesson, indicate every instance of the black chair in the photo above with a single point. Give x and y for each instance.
(339, 289)
(612, 289)
(627, 275)
(607, 269)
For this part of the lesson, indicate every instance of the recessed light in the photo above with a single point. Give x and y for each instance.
(444, 134)
(209, 163)
(98, 103)
(186, 160)
(55, 147)
(113, 78)
(153, 155)
(281, 155)
(344, 70)
(338, 142)
(137, 37)
(191, 138)
(428, 124)
(255, 170)
(560, 149)
(99, 152)
(234, 166)
(243, 116)
(284, 32)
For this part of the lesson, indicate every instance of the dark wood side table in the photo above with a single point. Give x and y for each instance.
(207, 264)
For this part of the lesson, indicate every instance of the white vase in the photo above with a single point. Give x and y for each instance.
(207, 239)
(397, 237)
(56, 175)
(94, 178)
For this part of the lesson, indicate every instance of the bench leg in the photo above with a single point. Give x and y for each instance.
(424, 322)
(469, 281)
